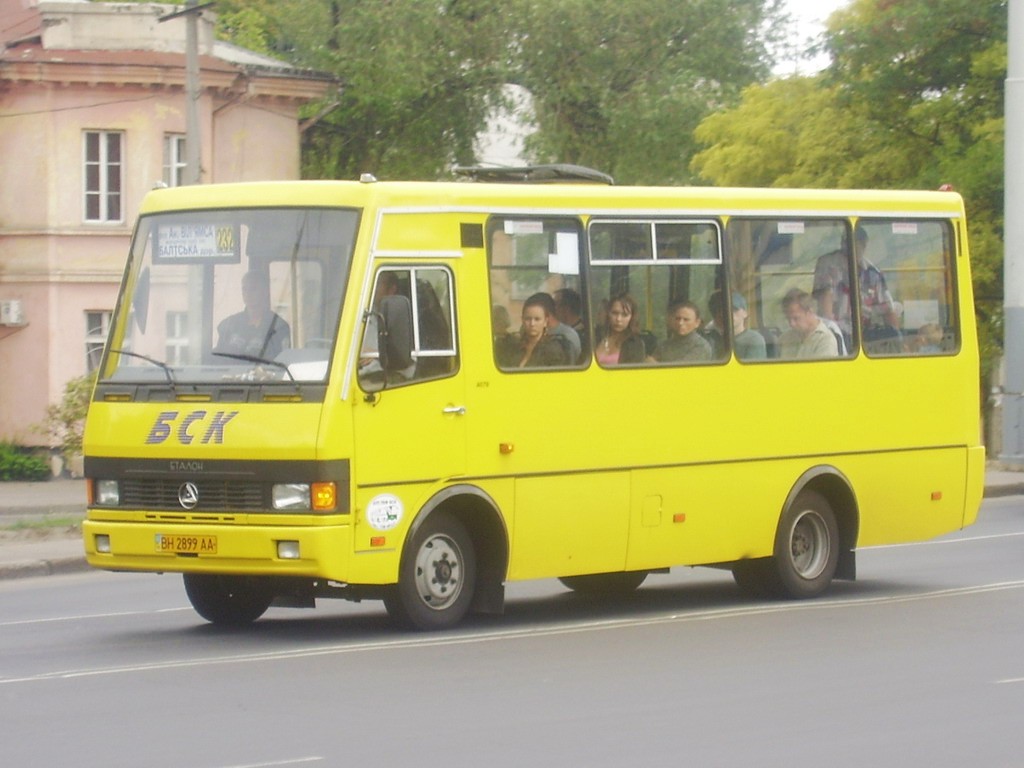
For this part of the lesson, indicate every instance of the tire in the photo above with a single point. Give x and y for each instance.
(228, 600)
(437, 576)
(805, 557)
(616, 584)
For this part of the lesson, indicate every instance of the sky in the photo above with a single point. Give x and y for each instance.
(810, 16)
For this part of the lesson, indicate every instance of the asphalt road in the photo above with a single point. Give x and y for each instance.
(919, 663)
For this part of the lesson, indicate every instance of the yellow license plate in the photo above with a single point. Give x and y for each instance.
(184, 544)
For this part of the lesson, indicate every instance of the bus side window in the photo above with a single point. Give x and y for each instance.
(906, 287)
(793, 277)
(661, 274)
(538, 320)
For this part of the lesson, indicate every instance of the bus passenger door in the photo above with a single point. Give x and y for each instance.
(409, 416)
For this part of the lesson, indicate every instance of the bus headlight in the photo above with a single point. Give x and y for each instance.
(108, 493)
(291, 496)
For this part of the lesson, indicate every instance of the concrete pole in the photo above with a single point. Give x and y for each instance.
(1013, 254)
(193, 88)
(193, 137)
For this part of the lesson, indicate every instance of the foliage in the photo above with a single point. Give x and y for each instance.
(418, 77)
(65, 421)
(621, 86)
(17, 464)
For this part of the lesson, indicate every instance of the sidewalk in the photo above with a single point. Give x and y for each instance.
(58, 549)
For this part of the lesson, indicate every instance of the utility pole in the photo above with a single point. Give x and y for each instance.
(1013, 253)
(193, 89)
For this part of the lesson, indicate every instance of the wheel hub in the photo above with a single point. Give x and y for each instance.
(809, 545)
(439, 572)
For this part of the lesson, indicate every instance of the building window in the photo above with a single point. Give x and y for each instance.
(174, 159)
(96, 325)
(177, 337)
(103, 175)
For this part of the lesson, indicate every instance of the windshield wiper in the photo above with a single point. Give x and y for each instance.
(159, 363)
(258, 360)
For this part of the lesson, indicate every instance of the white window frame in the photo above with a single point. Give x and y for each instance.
(97, 324)
(106, 191)
(175, 159)
(177, 337)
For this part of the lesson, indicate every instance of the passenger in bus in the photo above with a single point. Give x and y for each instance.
(928, 340)
(684, 343)
(569, 310)
(563, 332)
(748, 343)
(808, 337)
(619, 339)
(879, 313)
(536, 348)
(506, 343)
(256, 331)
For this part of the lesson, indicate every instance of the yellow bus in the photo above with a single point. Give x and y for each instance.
(417, 392)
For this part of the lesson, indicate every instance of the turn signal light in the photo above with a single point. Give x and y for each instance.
(325, 497)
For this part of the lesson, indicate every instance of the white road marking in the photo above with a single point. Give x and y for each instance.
(85, 616)
(293, 761)
(502, 635)
(963, 540)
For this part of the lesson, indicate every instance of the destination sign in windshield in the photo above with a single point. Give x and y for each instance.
(196, 242)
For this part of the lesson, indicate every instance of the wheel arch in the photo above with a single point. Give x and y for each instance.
(836, 488)
(479, 513)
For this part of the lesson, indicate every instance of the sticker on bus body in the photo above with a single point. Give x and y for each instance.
(384, 512)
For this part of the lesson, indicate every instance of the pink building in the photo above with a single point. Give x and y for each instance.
(92, 115)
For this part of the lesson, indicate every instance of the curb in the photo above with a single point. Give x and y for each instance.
(32, 568)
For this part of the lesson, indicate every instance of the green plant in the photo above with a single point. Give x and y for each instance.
(17, 463)
(65, 421)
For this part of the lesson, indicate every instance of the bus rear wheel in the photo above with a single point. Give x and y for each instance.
(228, 600)
(806, 553)
(437, 576)
(605, 584)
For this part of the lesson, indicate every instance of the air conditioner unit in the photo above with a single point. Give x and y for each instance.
(11, 312)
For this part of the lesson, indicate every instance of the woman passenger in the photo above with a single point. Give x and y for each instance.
(536, 348)
(620, 338)
(683, 342)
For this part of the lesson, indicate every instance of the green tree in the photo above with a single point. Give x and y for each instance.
(418, 79)
(621, 86)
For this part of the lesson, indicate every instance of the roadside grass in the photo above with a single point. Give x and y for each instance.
(43, 525)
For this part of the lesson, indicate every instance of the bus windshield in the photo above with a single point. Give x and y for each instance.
(240, 296)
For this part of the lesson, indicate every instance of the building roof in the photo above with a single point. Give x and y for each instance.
(74, 43)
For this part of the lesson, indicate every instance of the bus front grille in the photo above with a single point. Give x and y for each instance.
(212, 496)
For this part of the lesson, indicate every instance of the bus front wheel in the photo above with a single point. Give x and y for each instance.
(436, 577)
(806, 552)
(228, 600)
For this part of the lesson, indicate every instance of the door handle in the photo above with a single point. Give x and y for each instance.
(457, 410)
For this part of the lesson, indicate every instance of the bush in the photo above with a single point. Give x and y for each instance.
(18, 464)
(65, 421)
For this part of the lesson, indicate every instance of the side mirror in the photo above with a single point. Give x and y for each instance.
(393, 325)
(394, 333)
